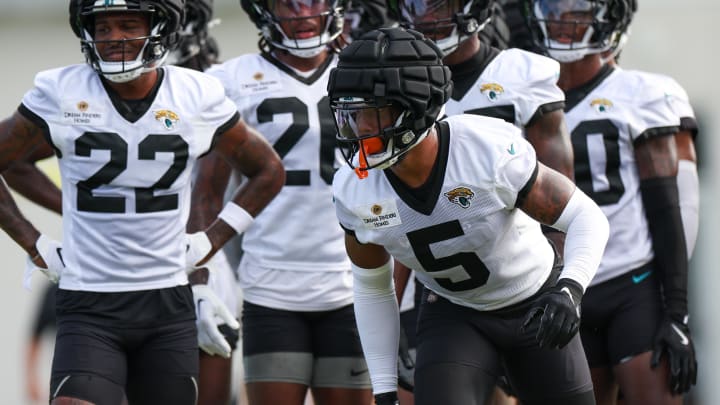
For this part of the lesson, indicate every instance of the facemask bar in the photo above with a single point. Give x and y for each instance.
(332, 21)
(151, 55)
(449, 30)
(549, 12)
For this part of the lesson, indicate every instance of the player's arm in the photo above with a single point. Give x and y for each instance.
(549, 137)
(18, 138)
(250, 154)
(688, 187)
(401, 276)
(376, 311)
(27, 179)
(554, 200)
(657, 163)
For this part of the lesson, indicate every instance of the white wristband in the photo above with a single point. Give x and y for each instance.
(236, 216)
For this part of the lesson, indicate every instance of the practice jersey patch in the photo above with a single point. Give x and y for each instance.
(260, 82)
(82, 112)
(383, 214)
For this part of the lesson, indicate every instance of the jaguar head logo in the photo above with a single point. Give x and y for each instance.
(461, 196)
(492, 90)
(167, 118)
(601, 105)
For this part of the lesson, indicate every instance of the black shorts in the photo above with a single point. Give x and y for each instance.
(462, 351)
(620, 317)
(139, 344)
(317, 349)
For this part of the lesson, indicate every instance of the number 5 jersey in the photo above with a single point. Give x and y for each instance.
(125, 168)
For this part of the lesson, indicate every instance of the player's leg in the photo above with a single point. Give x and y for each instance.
(277, 357)
(406, 367)
(340, 373)
(456, 362)
(89, 365)
(163, 368)
(163, 349)
(631, 337)
(549, 376)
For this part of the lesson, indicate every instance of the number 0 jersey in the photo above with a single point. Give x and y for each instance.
(296, 238)
(465, 239)
(605, 118)
(125, 171)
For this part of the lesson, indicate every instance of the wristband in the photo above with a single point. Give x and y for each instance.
(236, 216)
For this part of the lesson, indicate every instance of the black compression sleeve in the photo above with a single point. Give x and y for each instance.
(662, 209)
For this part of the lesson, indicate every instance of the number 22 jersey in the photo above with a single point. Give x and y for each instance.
(125, 169)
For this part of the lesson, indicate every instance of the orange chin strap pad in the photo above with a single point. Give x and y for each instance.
(370, 146)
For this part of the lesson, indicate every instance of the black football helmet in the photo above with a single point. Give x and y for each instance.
(600, 19)
(166, 19)
(261, 12)
(196, 49)
(447, 22)
(387, 69)
(623, 32)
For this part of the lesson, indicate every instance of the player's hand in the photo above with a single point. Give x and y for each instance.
(386, 398)
(49, 261)
(558, 313)
(673, 338)
(198, 249)
(212, 312)
(406, 364)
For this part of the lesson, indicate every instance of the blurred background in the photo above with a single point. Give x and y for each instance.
(669, 37)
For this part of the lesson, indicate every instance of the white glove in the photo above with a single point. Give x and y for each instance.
(51, 252)
(198, 246)
(211, 312)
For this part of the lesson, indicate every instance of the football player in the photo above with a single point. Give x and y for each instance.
(127, 134)
(458, 201)
(623, 127)
(512, 84)
(687, 178)
(299, 329)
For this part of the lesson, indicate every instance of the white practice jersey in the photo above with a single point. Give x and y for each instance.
(515, 86)
(605, 118)
(465, 239)
(126, 176)
(297, 232)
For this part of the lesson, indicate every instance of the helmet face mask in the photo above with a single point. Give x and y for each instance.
(568, 30)
(164, 23)
(305, 28)
(447, 22)
(372, 133)
(386, 93)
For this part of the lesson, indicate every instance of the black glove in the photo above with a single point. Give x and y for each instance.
(558, 312)
(406, 364)
(674, 338)
(386, 398)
